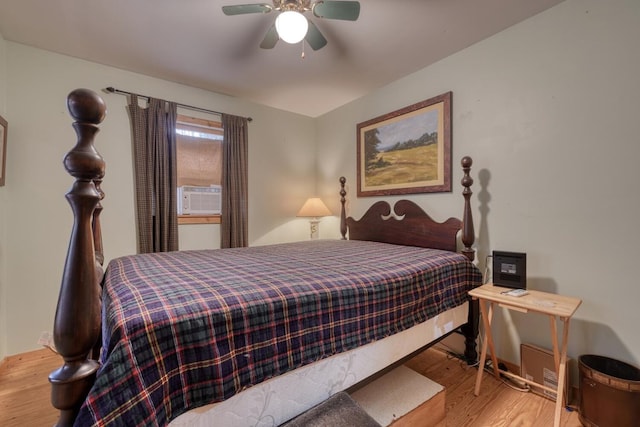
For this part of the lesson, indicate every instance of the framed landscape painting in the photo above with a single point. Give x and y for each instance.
(407, 151)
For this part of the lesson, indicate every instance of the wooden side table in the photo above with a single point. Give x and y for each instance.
(552, 305)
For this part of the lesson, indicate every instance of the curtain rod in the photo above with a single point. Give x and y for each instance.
(111, 89)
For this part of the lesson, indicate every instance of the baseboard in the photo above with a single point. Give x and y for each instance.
(511, 367)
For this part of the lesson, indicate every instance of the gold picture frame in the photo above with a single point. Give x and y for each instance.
(407, 151)
(3, 149)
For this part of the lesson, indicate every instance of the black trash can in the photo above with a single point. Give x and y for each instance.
(609, 392)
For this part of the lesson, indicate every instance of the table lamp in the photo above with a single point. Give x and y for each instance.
(314, 208)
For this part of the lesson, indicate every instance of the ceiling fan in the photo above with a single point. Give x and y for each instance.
(291, 19)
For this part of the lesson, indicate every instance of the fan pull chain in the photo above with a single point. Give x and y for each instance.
(302, 56)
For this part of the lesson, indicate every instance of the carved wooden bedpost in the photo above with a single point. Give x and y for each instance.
(468, 232)
(343, 211)
(468, 237)
(77, 321)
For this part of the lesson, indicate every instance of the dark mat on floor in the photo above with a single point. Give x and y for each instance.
(340, 410)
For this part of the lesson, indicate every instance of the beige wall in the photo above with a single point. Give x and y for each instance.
(39, 219)
(548, 109)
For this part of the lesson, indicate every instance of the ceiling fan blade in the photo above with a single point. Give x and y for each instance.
(345, 10)
(241, 9)
(314, 37)
(270, 39)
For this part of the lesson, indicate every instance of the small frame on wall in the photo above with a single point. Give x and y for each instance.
(407, 151)
(3, 149)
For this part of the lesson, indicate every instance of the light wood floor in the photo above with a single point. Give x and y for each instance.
(25, 391)
(24, 394)
(498, 405)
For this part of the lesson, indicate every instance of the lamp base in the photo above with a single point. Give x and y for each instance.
(315, 228)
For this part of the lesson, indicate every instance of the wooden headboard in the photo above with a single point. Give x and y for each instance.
(409, 225)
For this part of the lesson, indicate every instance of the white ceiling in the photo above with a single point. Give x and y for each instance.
(194, 43)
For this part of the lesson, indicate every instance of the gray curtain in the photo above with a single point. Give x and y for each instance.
(154, 149)
(234, 222)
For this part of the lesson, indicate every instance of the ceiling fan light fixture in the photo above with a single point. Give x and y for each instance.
(292, 26)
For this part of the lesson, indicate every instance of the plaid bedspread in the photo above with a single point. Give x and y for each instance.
(184, 329)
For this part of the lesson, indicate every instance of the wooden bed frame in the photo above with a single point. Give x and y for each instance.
(77, 325)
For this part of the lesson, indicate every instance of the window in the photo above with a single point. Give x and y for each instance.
(198, 159)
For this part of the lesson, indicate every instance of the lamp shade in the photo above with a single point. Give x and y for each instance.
(314, 207)
(292, 26)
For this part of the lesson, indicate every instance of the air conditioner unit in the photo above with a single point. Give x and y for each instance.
(194, 200)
